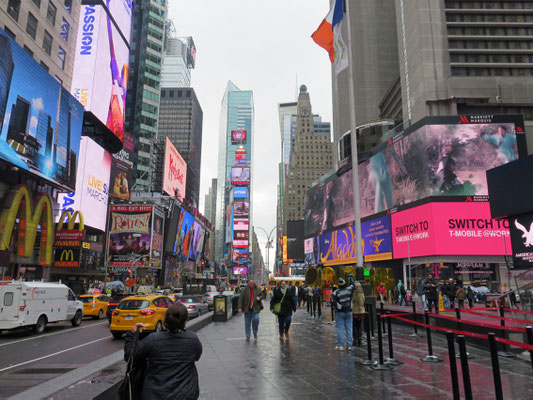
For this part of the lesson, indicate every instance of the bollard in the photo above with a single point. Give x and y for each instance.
(464, 367)
(453, 366)
(382, 312)
(529, 334)
(460, 328)
(372, 316)
(493, 347)
(308, 304)
(319, 306)
(430, 357)
(506, 349)
(314, 306)
(381, 366)
(391, 360)
(415, 333)
(332, 312)
(369, 360)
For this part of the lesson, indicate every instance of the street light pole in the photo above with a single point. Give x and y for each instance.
(267, 247)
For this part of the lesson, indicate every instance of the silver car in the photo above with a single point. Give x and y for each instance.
(209, 299)
(196, 306)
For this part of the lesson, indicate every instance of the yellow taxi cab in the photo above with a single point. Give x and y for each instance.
(94, 305)
(150, 310)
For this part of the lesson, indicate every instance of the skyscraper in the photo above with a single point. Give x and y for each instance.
(234, 171)
(6, 73)
(210, 202)
(178, 60)
(180, 119)
(145, 84)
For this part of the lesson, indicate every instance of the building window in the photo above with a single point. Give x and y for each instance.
(44, 66)
(10, 33)
(61, 57)
(31, 26)
(13, 9)
(51, 13)
(28, 50)
(68, 5)
(47, 43)
(65, 27)
(37, 3)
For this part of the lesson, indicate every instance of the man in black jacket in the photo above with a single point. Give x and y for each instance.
(432, 294)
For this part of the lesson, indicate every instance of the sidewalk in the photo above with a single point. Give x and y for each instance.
(307, 366)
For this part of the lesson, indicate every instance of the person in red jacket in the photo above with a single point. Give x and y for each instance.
(382, 292)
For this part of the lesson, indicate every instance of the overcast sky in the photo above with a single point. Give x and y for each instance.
(261, 46)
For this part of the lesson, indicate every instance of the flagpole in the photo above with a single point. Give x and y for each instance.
(355, 172)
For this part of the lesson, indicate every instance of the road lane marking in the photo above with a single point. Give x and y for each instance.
(51, 334)
(54, 354)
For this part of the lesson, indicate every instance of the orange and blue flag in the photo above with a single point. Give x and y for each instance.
(324, 36)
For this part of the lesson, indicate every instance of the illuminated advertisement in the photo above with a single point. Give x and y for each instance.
(284, 254)
(130, 235)
(522, 240)
(121, 11)
(157, 237)
(311, 249)
(308, 246)
(377, 239)
(241, 208)
(92, 185)
(240, 270)
(240, 235)
(240, 157)
(101, 67)
(175, 172)
(229, 223)
(240, 192)
(240, 175)
(238, 137)
(184, 234)
(240, 244)
(121, 176)
(197, 241)
(338, 247)
(40, 122)
(240, 255)
(448, 229)
(241, 225)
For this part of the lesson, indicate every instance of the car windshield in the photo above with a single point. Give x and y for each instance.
(86, 299)
(133, 304)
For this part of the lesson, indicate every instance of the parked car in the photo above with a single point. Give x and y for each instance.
(149, 310)
(195, 305)
(209, 299)
(113, 303)
(95, 305)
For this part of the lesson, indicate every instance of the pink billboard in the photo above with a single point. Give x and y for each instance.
(175, 173)
(449, 229)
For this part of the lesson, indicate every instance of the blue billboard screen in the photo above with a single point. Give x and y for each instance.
(240, 192)
(377, 239)
(40, 121)
(184, 235)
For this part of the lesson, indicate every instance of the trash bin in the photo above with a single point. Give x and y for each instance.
(222, 309)
(235, 304)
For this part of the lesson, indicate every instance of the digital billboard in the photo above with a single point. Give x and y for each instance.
(197, 241)
(338, 247)
(522, 240)
(295, 240)
(101, 67)
(92, 185)
(240, 192)
(240, 270)
(240, 225)
(448, 229)
(121, 176)
(240, 157)
(240, 244)
(240, 235)
(157, 237)
(175, 172)
(184, 235)
(40, 122)
(122, 11)
(241, 208)
(240, 255)
(229, 223)
(376, 235)
(238, 137)
(130, 235)
(240, 175)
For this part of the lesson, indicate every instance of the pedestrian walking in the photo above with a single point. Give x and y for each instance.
(171, 355)
(444, 291)
(358, 312)
(461, 296)
(250, 302)
(420, 291)
(432, 294)
(451, 294)
(296, 290)
(342, 304)
(283, 304)
(513, 300)
(470, 296)
(395, 295)
(382, 292)
(402, 293)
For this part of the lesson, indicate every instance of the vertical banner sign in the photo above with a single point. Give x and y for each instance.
(157, 237)
(122, 170)
(522, 240)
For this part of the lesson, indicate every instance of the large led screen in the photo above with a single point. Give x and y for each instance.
(175, 172)
(157, 237)
(240, 192)
(121, 176)
(197, 241)
(122, 11)
(184, 235)
(522, 240)
(101, 68)
(240, 175)
(240, 256)
(130, 235)
(40, 122)
(376, 235)
(240, 270)
(238, 137)
(92, 185)
(241, 208)
(338, 247)
(449, 229)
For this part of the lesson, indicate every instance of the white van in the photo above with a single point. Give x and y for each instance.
(35, 304)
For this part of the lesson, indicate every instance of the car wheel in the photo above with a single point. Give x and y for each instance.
(76, 321)
(40, 326)
(100, 314)
(116, 335)
(159, 327)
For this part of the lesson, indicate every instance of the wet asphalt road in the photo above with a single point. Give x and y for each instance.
(27, 359)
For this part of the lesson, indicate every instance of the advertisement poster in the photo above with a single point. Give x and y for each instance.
(295, 243)
(175, 172)
(40, 122)
(338, 247)
(241, 208)
(92, 185)
(312, 248)
(522, 240)
(197, 239)
(308, 246)
(240, 192)
(121, 11)
(240, 256)
(240, 175)
(121, 177)
(101, 67)
(240, 270)
(240, 244)
(184, 235)
(130, 235)
(377, 239)
(449, 229)
(240, 225)
(238, 137)
(157, 237)
(220, 305)
(229, 223)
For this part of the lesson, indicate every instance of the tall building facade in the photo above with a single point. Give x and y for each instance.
(234, 183)
(258, 270)
(178, 61)
(180, 119)
(210, 202)
(144, 84)
(47, 30)
(311, 158)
